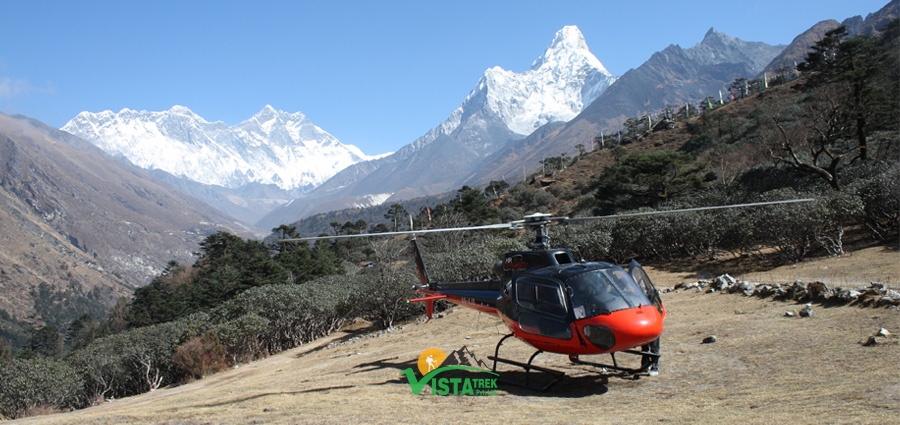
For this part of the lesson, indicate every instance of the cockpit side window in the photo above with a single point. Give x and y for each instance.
(541, 297)
(640, 276)
(542, 307)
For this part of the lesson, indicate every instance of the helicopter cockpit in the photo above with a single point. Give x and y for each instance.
(603, 290)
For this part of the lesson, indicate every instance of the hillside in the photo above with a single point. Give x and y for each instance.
(764, 368)
(577, 181)
(81, 229)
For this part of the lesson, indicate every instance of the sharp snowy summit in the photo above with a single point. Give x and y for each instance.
(504, 107)
(271, 148)
(560, 84)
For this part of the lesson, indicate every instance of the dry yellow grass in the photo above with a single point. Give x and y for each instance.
(765, 368)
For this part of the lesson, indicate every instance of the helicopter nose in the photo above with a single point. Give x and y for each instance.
(624, 329)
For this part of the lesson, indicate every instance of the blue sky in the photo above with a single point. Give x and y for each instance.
(376, 74)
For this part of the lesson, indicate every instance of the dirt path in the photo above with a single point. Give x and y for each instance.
(765, 368)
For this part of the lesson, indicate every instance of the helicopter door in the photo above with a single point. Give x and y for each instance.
(542, 307)
(640, 276)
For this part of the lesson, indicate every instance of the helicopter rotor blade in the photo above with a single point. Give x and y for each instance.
(539, 220)
(510, 225)
(566, 220)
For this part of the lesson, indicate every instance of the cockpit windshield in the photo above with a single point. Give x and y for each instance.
(604, 291)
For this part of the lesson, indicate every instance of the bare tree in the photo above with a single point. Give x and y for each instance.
(811, 140)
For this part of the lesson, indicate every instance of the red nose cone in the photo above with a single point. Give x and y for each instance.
(631, 328)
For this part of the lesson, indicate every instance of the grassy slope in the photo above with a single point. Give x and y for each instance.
(765, 368)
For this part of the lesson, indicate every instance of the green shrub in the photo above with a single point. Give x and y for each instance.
(242, 337)
(37, 383)
(134, 361)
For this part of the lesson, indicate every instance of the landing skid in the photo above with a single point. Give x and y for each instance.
(648, 360)
(555, 375)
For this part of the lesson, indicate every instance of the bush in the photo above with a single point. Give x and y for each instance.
(588, 241)
(26, 385)
(384, 298)
(135, 361)
(789, 228)
(200, 356)
(531, 200)
(471, 261)
(242, 337)
(296, 314)
(879, 189)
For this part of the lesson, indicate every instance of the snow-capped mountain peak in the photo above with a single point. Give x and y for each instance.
(272, 147)
(568, 49)
(560, 84)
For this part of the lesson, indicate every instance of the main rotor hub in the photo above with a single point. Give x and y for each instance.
(539, 222)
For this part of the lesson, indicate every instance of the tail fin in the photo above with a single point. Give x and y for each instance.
(420, 263)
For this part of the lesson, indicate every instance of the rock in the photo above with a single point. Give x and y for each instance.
(874, 291)
(870, 342)
(883, 332)
(892, 294)
(763, 291)
(779, 291)
(789, 314)
(848, 295)
(719, 283)
(723, 282)
(885, 300)
(710, 339)
(807, 311)
(743, 286)
(818, 291)
(797, 291)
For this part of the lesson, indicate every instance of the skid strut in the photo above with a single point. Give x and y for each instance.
(555, 375)
(615, 366)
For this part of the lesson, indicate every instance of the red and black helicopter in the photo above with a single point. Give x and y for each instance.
(558, 304)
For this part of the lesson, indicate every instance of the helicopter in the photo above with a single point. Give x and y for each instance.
(555, 303)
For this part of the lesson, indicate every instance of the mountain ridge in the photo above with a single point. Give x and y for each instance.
(283, 152)
(672, 76)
